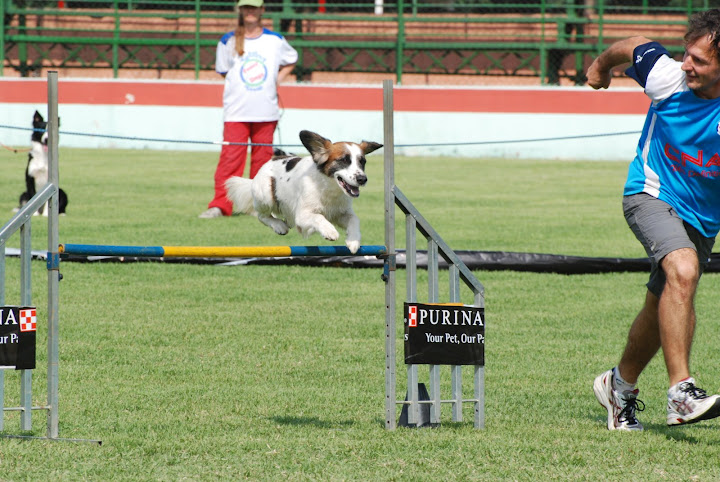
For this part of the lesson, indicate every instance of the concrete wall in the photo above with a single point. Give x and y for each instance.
(560, 123)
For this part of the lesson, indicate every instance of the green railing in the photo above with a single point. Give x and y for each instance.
(548, 41)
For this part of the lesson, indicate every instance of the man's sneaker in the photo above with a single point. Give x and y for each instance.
(621, 407)
(211, 213)
(690, 404)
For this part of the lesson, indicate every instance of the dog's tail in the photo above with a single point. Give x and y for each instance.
(239, 192)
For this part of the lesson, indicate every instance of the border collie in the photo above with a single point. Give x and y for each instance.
(36, 173)
(313, 193)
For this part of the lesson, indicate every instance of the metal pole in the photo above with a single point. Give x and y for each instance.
(197, 39)
(599, 46)
(2, 62)
(2, 303)
(400, 44)
(53, 258)
(411, 296)
(433, 297)
(115, 42)
(455, 370)
(389, 272)
(543, 46)
(26, 300)
(479, 378)
(379, 7)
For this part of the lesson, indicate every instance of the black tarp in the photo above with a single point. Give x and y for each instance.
(475, 260)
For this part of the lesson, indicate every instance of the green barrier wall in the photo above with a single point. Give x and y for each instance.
(541, 41)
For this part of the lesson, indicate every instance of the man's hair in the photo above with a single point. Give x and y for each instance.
(705, 24)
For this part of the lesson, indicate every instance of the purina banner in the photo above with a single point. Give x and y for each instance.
(17, 337)
(444, 334)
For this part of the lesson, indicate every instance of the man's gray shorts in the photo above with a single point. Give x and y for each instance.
(661, 231)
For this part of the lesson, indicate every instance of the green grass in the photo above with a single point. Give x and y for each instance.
(265, 373)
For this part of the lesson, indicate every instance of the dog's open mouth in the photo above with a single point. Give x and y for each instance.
(352, 191)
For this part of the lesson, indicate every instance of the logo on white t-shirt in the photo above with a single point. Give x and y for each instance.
(253, 71)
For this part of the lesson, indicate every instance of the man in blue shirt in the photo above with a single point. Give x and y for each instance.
(672, 204)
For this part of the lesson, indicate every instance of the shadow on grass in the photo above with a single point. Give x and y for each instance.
(311, 421)
(685, 433)
(446, 424)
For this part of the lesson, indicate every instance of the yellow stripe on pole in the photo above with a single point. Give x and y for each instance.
(226, 251)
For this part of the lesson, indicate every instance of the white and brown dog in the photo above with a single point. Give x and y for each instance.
(313, 193)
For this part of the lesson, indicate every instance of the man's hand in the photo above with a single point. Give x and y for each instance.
(597, 78)
(599, 74)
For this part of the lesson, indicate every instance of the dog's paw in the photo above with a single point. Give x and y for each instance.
(331, 234)
(281, 230)
(353, 246)
(273, 223)
(279, 227)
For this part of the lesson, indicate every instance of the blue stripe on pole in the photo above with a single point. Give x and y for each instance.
(109, 250)
(371, 250)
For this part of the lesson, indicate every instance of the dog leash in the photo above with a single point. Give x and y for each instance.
(13, 149)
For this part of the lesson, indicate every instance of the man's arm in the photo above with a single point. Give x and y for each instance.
(600, 72)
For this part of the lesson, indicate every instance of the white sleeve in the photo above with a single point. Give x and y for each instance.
(665, 79)
(288, 55)
(222, 59)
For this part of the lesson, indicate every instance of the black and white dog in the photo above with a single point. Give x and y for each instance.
(36, 173)
(313, 193)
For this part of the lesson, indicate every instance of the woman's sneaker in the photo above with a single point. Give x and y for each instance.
(621, 407)
(689, 404)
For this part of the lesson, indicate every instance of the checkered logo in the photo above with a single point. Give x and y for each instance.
(412, 316)
(28, 320)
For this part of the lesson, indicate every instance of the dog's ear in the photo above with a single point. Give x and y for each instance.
(368, 146)
(37, 118)
(317, 145)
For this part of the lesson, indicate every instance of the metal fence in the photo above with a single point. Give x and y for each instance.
(459, 274)
(546, 41)
(22, 222)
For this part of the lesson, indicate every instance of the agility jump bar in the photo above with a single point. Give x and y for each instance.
(217, 251)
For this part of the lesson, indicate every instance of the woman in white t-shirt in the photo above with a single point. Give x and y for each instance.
(253, 60)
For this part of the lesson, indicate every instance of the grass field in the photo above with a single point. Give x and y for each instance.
(192, 372)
